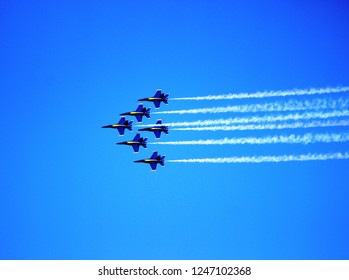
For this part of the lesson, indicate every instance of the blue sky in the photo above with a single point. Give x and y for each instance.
(68, 192)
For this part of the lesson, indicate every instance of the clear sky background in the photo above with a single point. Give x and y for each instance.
(68, 192)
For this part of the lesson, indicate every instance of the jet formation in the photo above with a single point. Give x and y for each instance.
(139, 141)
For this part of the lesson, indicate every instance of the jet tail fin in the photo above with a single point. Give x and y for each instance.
(144, 143)
(162, 161)
(166, 99)
(129, 126)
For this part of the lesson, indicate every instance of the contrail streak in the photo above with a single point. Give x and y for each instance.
(295, 125)
(263, 94)
(261, 159)
(307, 138)
(291, 105)
(260, 119)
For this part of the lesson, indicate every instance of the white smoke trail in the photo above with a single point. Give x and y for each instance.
(263, 94)
(307, 138)
(259, 119)
(295, 125)
(261, 159)
(291, 105)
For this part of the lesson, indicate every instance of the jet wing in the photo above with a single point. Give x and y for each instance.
(139, 108)
(137, 137)
(122, 120)
(157, 133)
(154, 155)
(139, 118)
(135, 148)
(157, 104)
(158, 93)
(121, 130)
(153, 166)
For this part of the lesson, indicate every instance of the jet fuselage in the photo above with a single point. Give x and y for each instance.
(115, 126)
(152, 129)
(151, 99)
(132, 113)
(148, 160)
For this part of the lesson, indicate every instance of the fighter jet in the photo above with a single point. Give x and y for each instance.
(157, 99)
(121, 125)
(153, 160)
(157, 129)
(136, 142)
(139, 113)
